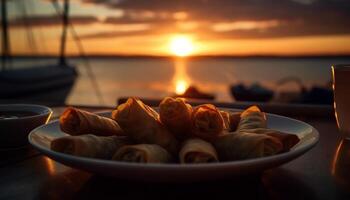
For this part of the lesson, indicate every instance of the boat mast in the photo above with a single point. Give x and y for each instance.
(65, 18)
(5, 35)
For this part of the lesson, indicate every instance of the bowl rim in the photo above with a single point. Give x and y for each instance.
(46, 111)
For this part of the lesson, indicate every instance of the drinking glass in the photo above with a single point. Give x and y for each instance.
(341, 89)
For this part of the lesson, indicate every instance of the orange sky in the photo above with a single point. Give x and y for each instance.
(127, 29)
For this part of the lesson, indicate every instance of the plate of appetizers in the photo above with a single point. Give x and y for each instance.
(174, 141)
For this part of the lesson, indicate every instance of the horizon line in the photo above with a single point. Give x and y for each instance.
(186, 57)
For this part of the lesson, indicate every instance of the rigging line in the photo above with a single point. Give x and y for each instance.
(29, 30)
(42, 45)
(83, 55)
(6, 52)
(88, 66)
(43, 39)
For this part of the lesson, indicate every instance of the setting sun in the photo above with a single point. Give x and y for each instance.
(181, 46)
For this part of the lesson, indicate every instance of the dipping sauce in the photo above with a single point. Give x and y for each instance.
(15, 114)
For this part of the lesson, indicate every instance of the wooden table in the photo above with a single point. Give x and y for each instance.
(322, 173)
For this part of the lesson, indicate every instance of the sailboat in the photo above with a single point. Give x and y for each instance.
(37, 84)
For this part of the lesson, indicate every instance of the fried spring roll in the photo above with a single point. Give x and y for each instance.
(89, 145)
(197, 151)
(143, 153)
(207, 122)
(77, 122)
(288, 140)
(244, 145)
(231, 120)
(175, 114)
(142, 124)
(252, 118)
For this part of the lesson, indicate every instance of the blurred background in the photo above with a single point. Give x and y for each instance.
(92, 52)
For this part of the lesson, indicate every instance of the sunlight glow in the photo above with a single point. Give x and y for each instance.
(50, 165)
(181, 86)
(245, 25)
(180, 15)
(181, 46)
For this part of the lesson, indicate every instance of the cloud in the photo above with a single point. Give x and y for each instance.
(50, 20)
(120, 30)
(244, 25)
(212, 19)
(256, 18)
(234, 9)
(307, 2)
(113, 34)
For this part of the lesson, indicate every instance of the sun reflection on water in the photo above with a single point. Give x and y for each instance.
(181, 80)
(181, 86)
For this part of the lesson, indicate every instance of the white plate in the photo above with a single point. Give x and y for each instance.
(41, 137)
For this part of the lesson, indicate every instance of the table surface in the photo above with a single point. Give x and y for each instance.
(322, 173)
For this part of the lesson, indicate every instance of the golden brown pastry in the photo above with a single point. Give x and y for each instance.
(91, 146)
(142, 124)
(252, 118)
(74, 121)
(288, 140)
(231, 120)
(197, 151)
(207, 122)
(175, 114)
(143, 153)
(245, 145)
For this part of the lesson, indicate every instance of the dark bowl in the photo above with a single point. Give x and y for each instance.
(14, 130)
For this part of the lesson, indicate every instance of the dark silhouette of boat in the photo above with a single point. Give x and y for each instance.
(257, 93)
(35, 84)
(253, 93)
(46, 84)
(314, 95)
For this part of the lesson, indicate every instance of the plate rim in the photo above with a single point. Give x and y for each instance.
(178, 166)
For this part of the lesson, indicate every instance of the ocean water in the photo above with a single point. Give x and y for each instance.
(159, 77)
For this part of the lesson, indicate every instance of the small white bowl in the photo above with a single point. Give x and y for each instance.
(17, 120)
